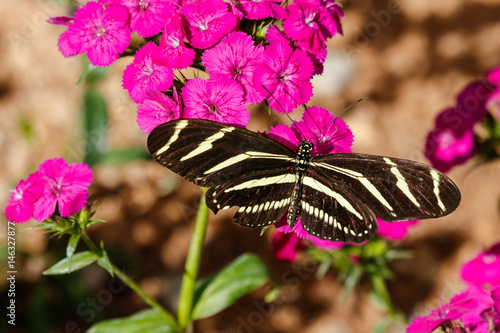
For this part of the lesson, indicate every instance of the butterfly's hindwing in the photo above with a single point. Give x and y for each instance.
(262, 197)
(394, 189)
(208, 153)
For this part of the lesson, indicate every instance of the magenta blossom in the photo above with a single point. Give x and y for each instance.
(147, 17)
(286, 246)
(157, 109)
(173, 51)
(309, 24)
(286, 73)
(65, 186)
(235, 57)
(483, 303)
(394, 231)
(21, 202)
(446, 147)
(485, 268)
(215, 99)
(206, 22)
(494, 78)
(260, 9)
(146, 74)
(102, 33)
(458, 305)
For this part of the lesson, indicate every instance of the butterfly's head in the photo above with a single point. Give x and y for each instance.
(306, 147)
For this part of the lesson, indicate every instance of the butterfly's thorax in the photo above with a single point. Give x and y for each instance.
(301, 166)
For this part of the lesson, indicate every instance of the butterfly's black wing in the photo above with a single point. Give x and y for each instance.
(390, 188)
(209, 153)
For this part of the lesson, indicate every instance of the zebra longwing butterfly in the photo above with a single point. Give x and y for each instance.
(337, 196)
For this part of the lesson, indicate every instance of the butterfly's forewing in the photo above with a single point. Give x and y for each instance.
(394, 189)
(209, 153)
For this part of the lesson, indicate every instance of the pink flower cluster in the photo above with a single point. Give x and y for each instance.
(451, 142)
(56, 185)
(477, 309)
(208, 35)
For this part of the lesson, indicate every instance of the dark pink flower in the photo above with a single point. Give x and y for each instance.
(206, 22)
(328, 133)
(157, 109)
(146, 74)
(494, 78)
(286, 73)
(495, 295)
(61, 20)
(446, 148)
(147, 17)
(458, 305)
(215, 99)
(102, 33)
(173, 51)
(235, 57)
(470, 108)
(260, 9)
(65, 186)
(286, 246)
(483, 300)
(20, 205)
(485, 268)
(394, 231)
(310, 24)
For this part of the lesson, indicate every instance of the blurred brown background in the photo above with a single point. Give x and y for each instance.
(407, 59)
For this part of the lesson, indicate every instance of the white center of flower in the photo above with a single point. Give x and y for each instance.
(309, 19)
(100, 31)
(174, 42)
(447, 139)
(18, 195)
(489, 258)
(202, 25)
(147, 70)
(143, 5)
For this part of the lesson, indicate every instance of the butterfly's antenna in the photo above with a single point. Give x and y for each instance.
(282, 108)
(335, 118)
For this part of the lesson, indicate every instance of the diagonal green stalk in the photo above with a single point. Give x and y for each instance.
(132, 285)
(186, 297)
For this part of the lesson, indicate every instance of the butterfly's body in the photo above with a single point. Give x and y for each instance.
(337, 196)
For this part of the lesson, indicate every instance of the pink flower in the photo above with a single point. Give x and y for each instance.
(147, 17)
(157, 109)
(495, 295)
(485, 268)
(394, 231)
(286, 246)
(328, 133)
(493, 77)
(64, 185)
(215, 99)
(21, 202)
(483, 300)
(61, 20)
(260, 9)
(310, 24)
(102, 33)
(173, 51)
(206, 22)
(286, 73)
(458, 305)
(146, 74)
(446, 147)
(235, 57)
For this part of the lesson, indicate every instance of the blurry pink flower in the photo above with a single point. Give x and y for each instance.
(458, 305)
(286, 246)
(20, 205)
(394, 231)
(483, 300)
(157, 109)
(485, 268)
(215, 99)
(65, 186)
(146, 74)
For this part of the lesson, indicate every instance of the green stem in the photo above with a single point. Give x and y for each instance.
(186, 297)
(132, 285)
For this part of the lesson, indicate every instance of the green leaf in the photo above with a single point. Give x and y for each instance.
(92, 73)
(147, 321)
(78, 261)
(72, 244)
(221, 290)
(120, 156)
(95, 124)
(104, 261)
